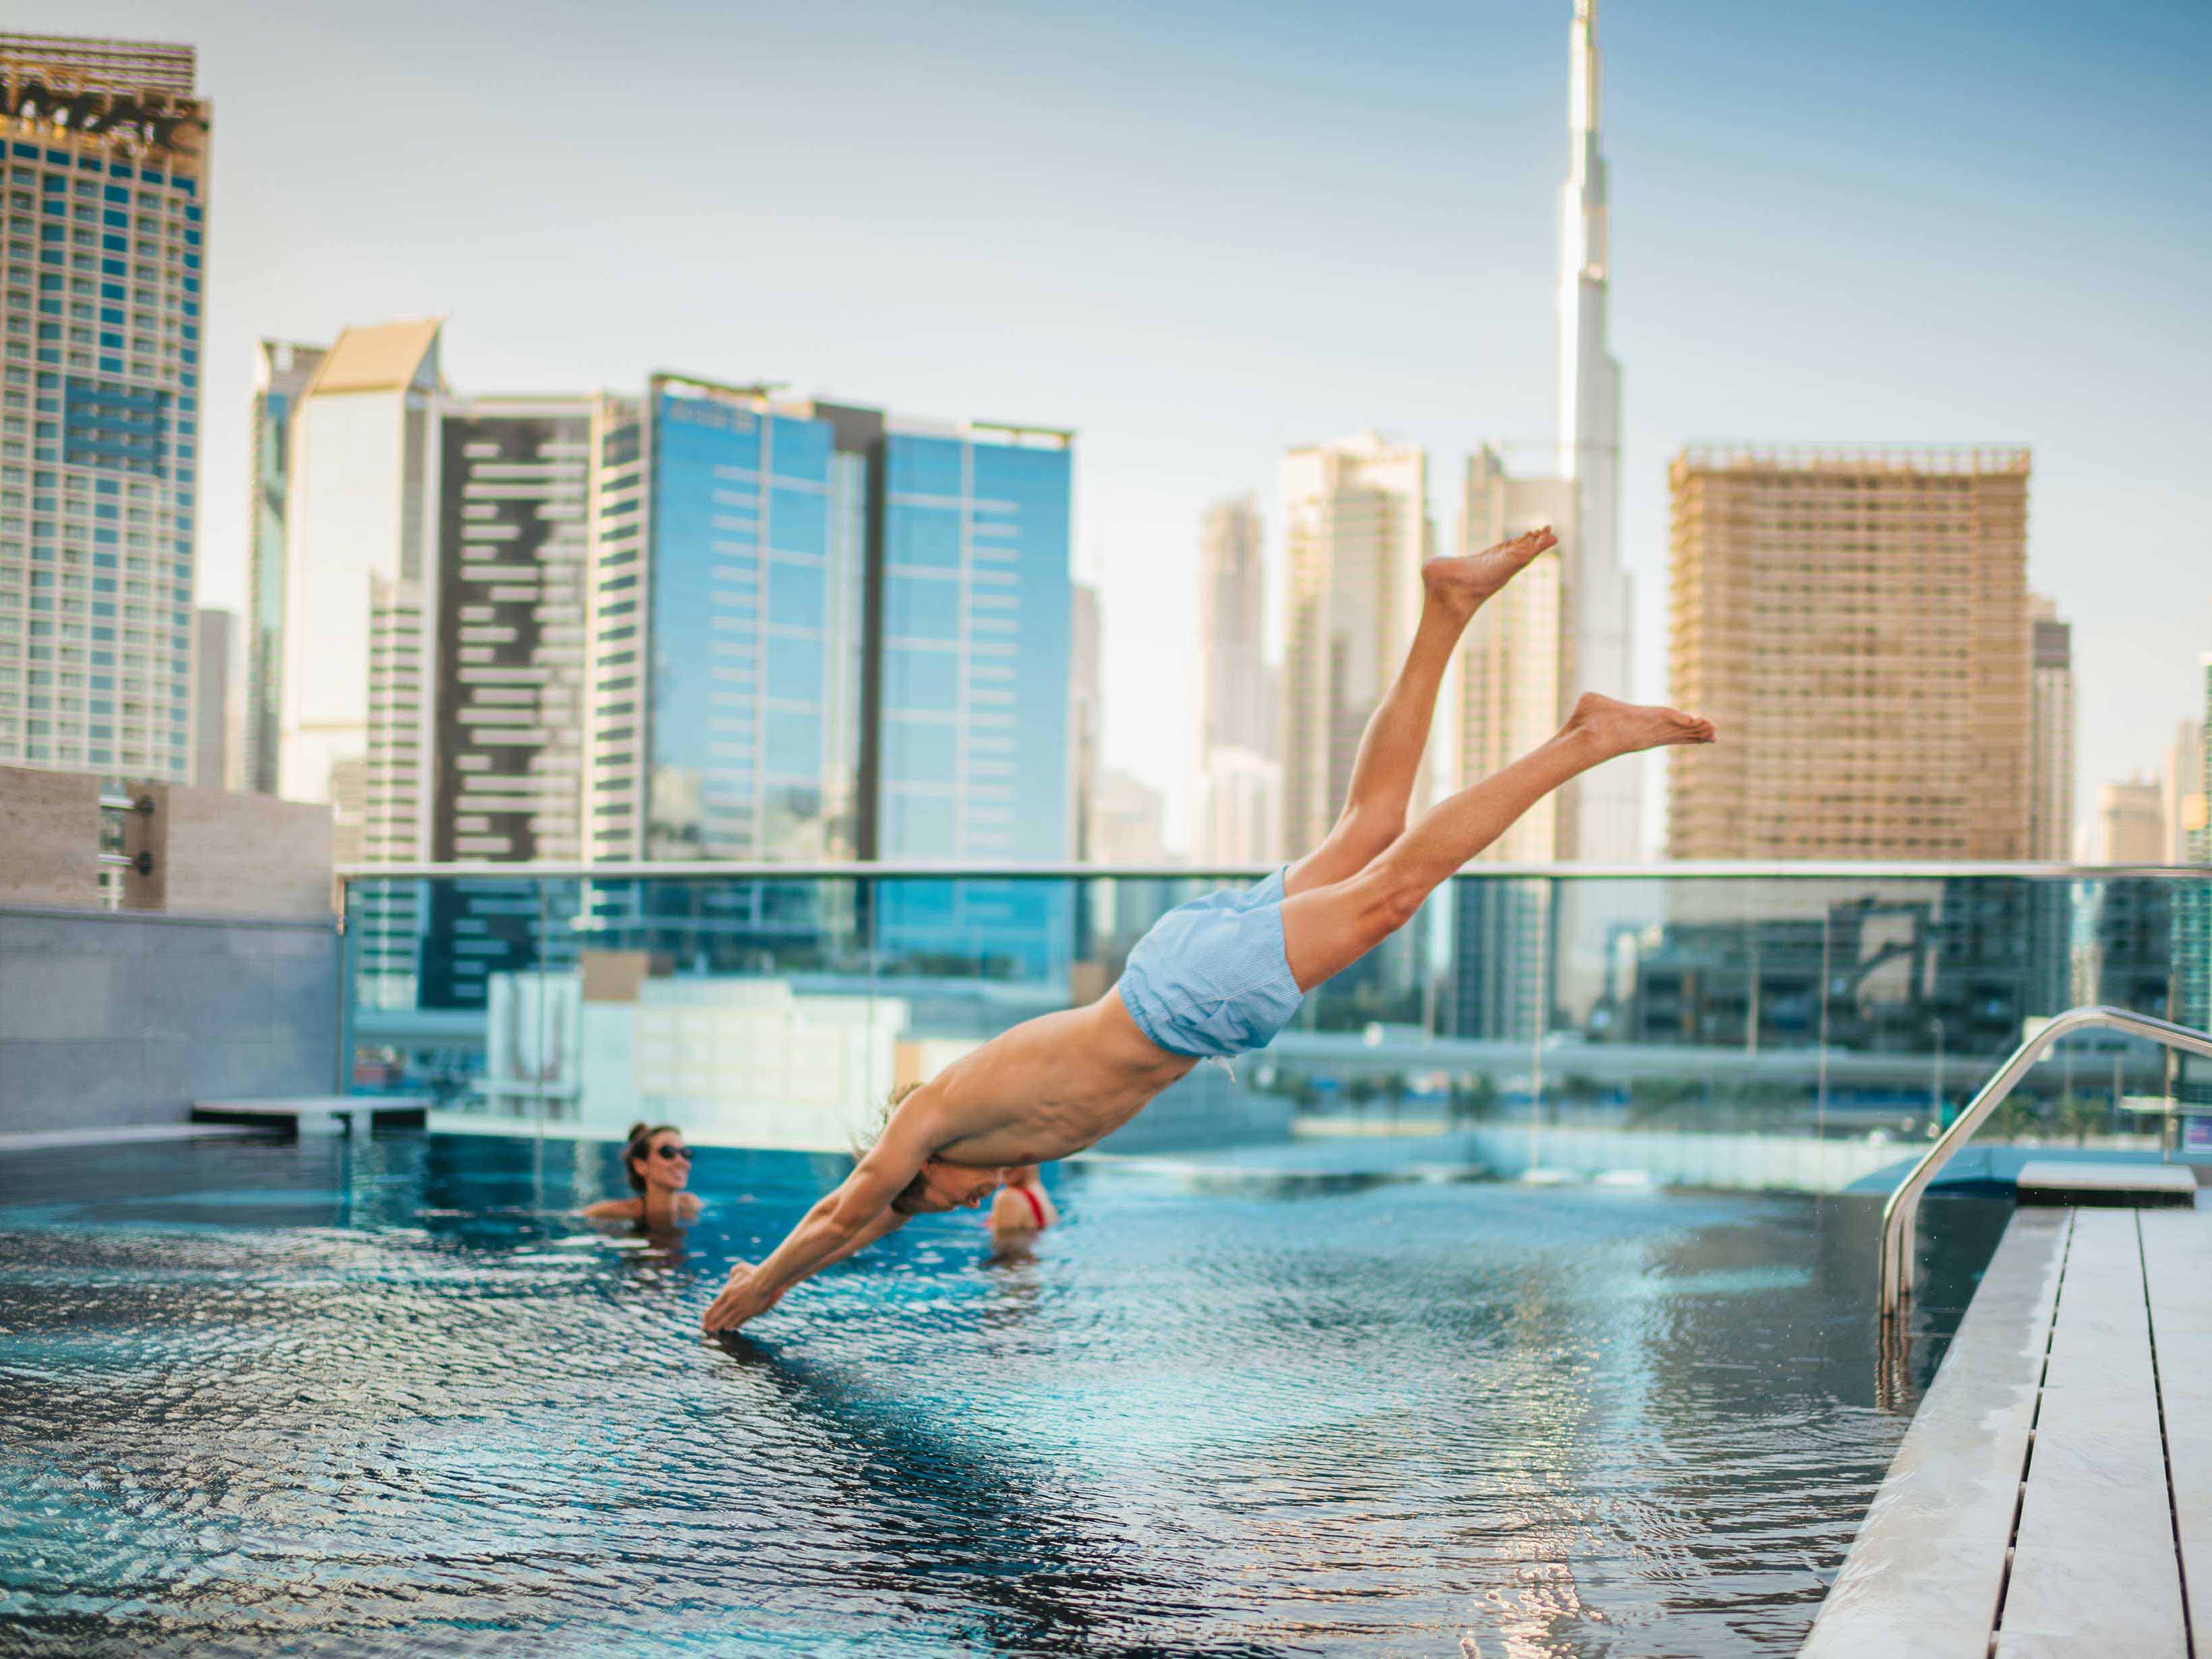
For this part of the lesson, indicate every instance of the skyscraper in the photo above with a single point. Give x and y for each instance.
(1237, 800)
(1086, 712)
(357, 523)
(2130, 827)
(823, 632)
(1514, 680)
(730, 570)
(971, 730)
(217, 686)
(102, 252)
(506, 668)
(1598, 609)
(1356, 530)
(2181, 792)
(1128, 818)
(495, 755)
(1855, 621)
(282, 372)
(2050, 740)
(2192, 902)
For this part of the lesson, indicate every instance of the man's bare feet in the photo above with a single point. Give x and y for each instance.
(1622, 728)
(1461, 584)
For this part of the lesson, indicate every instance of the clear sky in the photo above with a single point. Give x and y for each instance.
(1202, 232)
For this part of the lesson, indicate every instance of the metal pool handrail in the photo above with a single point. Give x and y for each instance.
(1900, 1215)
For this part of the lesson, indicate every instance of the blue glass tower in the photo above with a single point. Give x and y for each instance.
(818, 634)
(972, 750)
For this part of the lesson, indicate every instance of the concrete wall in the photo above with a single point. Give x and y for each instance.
(218, 854)
(49, 837)
(126, 1018)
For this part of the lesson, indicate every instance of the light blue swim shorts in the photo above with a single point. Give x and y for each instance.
(1209, 980)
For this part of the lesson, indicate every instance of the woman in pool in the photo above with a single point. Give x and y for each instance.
(1022, 1209)
(659, 1165)
(1220, 975)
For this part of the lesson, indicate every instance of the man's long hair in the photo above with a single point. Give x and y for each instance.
(865, 1143)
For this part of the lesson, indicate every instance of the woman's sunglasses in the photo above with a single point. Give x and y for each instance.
(671, 1153)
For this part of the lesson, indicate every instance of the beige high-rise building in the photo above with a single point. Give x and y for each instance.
(2051, 742)
(1236, 796)
(2181, 792)
(1355, 529)
(1086, 712)
(1855, 623)
(1128, 820)
(2131, 823)
(1514, 679)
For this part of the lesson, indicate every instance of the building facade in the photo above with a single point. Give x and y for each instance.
(2192, 906)
(2131, 823)
(2181, 793)
(357, 525)
(506, 666)
(1855, 623)
(1356, 530)
(217, 699)
(818, 632)
(1514, 679)
(282, 372)
(103, 252)
(1236, 798)
(1086, 710)
(1597, 606)
(2051, 757)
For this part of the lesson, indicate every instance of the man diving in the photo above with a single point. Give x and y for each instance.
(1218, 976)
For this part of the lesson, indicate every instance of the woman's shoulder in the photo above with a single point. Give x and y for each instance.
(615, 1209)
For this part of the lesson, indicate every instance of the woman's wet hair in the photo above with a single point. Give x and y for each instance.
(640, 1147)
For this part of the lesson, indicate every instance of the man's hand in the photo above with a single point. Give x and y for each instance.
(741, 1299)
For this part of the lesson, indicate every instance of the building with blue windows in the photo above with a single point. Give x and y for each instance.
(819, 633)
(102, 255)
(972, 751)
(727, 626)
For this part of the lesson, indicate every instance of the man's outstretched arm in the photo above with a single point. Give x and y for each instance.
(857, 1213)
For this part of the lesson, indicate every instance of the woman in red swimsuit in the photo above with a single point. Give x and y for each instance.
(1022, 1208)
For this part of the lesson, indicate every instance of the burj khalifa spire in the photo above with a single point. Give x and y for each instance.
(1601, 597)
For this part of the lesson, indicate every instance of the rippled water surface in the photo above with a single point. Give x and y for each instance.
(392, 1397)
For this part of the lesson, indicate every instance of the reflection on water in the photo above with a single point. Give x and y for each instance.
(392, 1397)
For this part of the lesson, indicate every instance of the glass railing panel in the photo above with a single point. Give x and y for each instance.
(1803, 1032)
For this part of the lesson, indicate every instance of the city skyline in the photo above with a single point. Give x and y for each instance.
(1794, 287)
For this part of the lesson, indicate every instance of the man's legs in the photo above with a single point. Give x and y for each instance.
(1326, 929)
(1390, 757)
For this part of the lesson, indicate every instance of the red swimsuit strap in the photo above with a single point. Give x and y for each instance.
(1036, 1204)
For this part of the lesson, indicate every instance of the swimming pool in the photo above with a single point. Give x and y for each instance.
(388, 1397)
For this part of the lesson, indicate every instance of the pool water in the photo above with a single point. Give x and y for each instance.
(392, 1397)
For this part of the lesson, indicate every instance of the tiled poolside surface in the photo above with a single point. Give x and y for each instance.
(2054, 1495)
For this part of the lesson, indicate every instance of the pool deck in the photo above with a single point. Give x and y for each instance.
(2054, 1493)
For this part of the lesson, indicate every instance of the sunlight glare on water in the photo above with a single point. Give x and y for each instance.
(393, 1397)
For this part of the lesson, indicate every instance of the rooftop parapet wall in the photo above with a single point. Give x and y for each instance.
(197, 852)
(49, 837)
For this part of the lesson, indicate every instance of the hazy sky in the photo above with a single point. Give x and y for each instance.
(1199, 232)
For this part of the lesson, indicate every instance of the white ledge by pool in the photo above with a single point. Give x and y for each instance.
(2054, 1493)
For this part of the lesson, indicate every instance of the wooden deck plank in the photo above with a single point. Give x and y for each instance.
(2093, 1562)
(2177, 1270)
